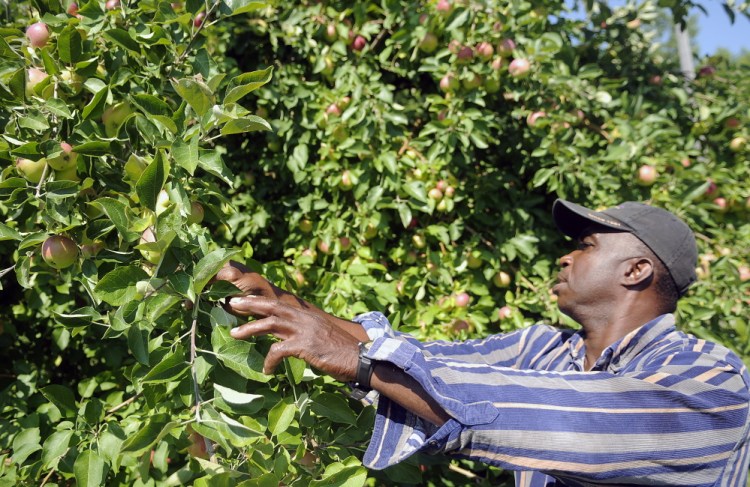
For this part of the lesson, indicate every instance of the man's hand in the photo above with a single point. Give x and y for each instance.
(303, 334)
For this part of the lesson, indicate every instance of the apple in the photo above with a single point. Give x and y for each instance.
(92, 249)
(162, 202)
(418, 241)
(450, 191)
(504, 313)
(633, 24)
(706, 71)
(492, 85)
(70, 174)
(66, 160)
(465, 54)
(324, 247)
(73, 80)
(435, 194)
(534, 117)
(345, 243)
(685, 162)
(519, 67)
(197, 448)
(305, 225)
(299, 277)
(721, 203)
(329, 66)
(506, 47)
(732, 123)
(454, 46)
(462, 300)
(333, 109)
(744, 272)
(474, 260)
(449, 83)
(497, 63)
(655, 80)
(34, 76)
(711, 187)
(429, 43)
(197, 213)
(31, 170)
(472, 82)
(485, 51)
(331, 34)
(737, 144)
(460, 325)
(423, 19)
(59, 252)
(200, 17)
(72, 9)
(444, 6)
(501, 279)
(38, 34)
(647, 175)
(359, 43)
(441, 185)
(347, 180)
(112, 4)
(344, 102)
(152, 256)
(114, 116)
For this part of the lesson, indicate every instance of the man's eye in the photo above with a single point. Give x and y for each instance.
(583, 245)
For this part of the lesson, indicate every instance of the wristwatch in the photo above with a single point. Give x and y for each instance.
(365, 367)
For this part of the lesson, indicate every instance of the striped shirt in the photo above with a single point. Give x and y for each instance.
(659, 407)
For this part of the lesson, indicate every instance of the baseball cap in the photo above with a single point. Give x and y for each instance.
(668, 237)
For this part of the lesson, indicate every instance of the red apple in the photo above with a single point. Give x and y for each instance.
(711, 187)
(465, 54)
(429, 43)
(732, 123)
(534, 117)
(450, 191)
(519, 67)
(347, 180)
(647, 175)
(472, 82)
(721, 203)
(331, 33)
(38, 34)
(72, 9)
(66, 160)
(441, 185)
(655, 80)
(706, 71)
(324, 246)
(685, 162)
(443, 6)
(200, 17)
(359, 43)
(59, 252)
(504, 313)
(112, 4)
(485, 51)
(737, 144)
(506, 47)
(435, 194)
(744, 272)
(449, 83)
(197, 446)
(345, 243)
(462, 300)
(333, 109)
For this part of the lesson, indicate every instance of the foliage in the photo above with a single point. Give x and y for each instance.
(379, 187)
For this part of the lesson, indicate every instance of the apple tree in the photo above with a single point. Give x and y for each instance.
(399, 156)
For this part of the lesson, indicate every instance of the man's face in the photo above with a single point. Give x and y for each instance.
(591, 274)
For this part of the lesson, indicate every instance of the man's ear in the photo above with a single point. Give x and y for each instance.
(639, 271)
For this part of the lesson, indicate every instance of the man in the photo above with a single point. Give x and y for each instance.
(626, 400)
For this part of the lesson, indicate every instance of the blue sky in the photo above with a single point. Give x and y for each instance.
(716, 31)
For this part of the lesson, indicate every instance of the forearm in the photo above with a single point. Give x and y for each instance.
(393, 383)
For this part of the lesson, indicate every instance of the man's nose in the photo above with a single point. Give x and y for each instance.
(565, 260)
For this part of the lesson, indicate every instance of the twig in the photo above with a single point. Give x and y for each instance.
(194, 372)
(124, 403)
(5, 271)
(462, 471)
(47, 477)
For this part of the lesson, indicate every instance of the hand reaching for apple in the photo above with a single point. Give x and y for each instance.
(324, 341)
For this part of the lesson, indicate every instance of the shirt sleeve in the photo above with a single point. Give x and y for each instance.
(680, 420)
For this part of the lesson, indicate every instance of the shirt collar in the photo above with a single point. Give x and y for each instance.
(621, 352)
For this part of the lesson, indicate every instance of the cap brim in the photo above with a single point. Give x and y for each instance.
(572, 219)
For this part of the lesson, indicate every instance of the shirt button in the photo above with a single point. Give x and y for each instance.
(433, 443)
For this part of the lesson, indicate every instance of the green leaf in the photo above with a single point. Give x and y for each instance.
(7, 233)
(152, 181)
(123, 39)
(250, 123)
(186, 154)
(235, 398)
(55, 446)
(243, 358)
(138, 343)
(62, 397)
(151, 104)
(246, 83)
(236, 7)
(90, 469)
(334, 407)
(280, 416)
(168, 369)
(25, 444)
(212, 163)
(156, 428)
(208, 266)
(94, 148)
(196, 93)
(80, 317)
(70, 45)
(117, 212)
(94, 108)
(354, 476)
(117, 287)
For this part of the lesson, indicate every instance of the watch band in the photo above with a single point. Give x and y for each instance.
(365, 367)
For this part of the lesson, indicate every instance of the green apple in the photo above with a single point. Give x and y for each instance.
(153, 256)
(59, 252)
(162, 202)
(31, 170)
(70, 174)
(114, 116)
(34, 76)
(65, 160)
(196, 213)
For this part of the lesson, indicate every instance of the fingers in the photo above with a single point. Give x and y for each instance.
(278, 352)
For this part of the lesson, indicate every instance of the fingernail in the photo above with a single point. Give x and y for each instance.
(234, 301)
(234, 331)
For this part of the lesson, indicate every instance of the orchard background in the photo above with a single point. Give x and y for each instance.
(399, 156)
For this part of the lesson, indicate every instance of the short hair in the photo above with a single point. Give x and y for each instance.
(664, 285)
